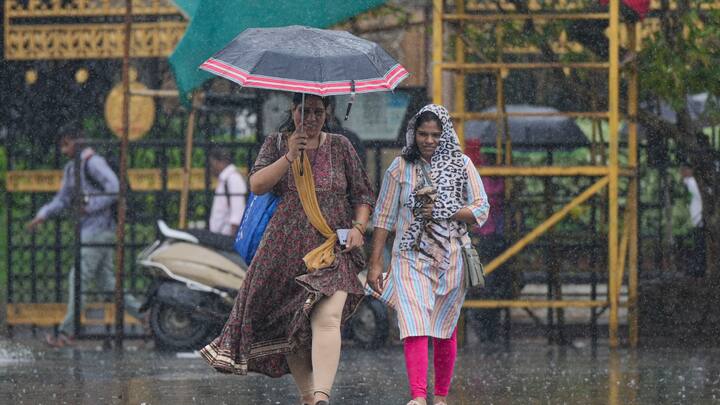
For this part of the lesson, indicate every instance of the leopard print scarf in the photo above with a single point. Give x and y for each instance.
(448, 176)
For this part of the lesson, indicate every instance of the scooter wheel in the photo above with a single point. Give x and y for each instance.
(174, 329)
(369, 326)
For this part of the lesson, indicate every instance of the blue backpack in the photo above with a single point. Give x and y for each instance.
(260, 208)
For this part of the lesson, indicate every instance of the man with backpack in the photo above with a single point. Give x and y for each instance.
(99, 186)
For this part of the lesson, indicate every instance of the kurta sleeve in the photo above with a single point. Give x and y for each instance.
(268, 154)
(359, 189)
(476, 198)
(388, 202)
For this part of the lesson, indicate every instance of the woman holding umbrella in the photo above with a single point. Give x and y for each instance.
(301, 284)
(428, 196)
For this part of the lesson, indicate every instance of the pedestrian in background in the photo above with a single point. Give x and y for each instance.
(429, 195)
(302, 285)
(697, 256)
(228, 202)
(334, 126)
(99, 186)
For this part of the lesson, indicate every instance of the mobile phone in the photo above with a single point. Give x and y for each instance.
(342, 235)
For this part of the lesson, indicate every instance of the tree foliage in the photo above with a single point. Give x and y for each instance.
(681, 57)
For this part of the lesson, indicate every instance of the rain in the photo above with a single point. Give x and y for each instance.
(368, 202)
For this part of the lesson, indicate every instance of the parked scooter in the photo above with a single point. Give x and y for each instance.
(196, 277)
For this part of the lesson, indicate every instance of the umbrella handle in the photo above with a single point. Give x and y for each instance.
(302, 160)
(347, 112)
(352, 99)
(302, 125)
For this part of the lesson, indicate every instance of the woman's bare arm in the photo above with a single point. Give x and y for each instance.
(266, 178)
(374, 277)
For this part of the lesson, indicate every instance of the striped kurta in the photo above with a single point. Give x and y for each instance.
(427, 297)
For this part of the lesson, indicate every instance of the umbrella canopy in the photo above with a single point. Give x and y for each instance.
(529, 132)
(306, 60)
(700, 106)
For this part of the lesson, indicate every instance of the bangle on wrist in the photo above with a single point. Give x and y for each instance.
(359, 226)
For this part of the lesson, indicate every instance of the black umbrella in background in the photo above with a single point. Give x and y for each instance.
(529, 133)
(700, 106)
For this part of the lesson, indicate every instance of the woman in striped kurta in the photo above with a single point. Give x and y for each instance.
(428, 196)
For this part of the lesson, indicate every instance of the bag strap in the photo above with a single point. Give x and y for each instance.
(428, 181)
(88, 175)
(227, 193)
(426, 175)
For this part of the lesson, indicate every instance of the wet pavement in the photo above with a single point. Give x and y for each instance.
(529, 372)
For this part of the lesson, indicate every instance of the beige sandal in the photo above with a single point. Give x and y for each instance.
(413, 402)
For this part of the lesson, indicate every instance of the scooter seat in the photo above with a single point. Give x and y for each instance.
(213, 240)
(175, 233)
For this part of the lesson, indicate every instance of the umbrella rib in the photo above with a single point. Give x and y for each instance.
(380, 72)
(260, 60)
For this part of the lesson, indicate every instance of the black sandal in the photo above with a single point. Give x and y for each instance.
(322, 401)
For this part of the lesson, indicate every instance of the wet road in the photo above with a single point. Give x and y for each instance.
(531, 372)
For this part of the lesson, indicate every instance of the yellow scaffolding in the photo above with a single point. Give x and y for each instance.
(619, 247)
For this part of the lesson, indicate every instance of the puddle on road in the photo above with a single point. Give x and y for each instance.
(14, 353)
(530, 372)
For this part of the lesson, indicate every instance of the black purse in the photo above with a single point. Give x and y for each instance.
(474, 274)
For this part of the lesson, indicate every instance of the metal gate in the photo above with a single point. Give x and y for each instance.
(38, 263)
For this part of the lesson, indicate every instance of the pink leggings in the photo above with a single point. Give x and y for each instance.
(416, 362)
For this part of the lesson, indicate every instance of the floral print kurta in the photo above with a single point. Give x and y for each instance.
(271, 313)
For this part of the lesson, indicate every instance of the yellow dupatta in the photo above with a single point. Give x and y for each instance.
(323, 255)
